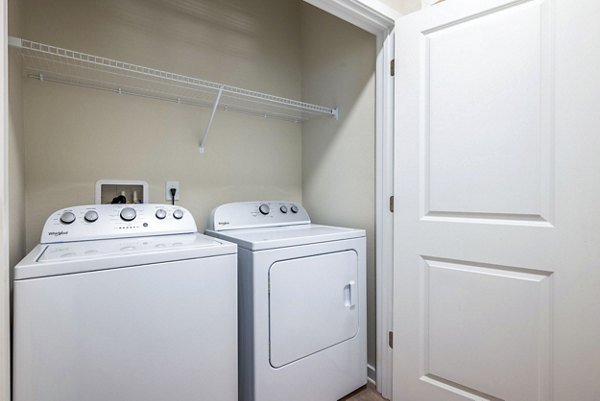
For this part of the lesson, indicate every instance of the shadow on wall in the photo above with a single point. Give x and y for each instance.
(338, 69)
(16, 162)
(236, 35)
(218, 25)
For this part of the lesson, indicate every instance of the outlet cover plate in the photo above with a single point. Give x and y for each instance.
(168, 186)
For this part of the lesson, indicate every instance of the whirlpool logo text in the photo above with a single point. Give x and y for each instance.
(57, 233)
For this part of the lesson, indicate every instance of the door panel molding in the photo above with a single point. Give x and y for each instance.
(513, 181)
(511, 301)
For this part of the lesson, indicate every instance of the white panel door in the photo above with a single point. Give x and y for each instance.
(497, 221)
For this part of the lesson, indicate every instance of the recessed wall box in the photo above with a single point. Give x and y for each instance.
(135, 191)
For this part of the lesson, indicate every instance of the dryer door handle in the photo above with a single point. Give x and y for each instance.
(350, 294)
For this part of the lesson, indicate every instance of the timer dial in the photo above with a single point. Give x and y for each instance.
(67, 218)
(264, 209)
(128, 214)
(91, 216)
(178, 214)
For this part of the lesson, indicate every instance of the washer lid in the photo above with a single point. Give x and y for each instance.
(86, 256)
(257, 239)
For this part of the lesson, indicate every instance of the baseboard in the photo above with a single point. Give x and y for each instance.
(371, 375)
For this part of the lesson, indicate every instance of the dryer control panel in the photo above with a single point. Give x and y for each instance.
(93, 222)
(231, 216)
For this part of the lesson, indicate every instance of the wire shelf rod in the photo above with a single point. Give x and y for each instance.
(171, 99)
(106, 65)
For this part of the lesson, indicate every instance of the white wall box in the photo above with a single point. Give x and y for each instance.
(136, 191)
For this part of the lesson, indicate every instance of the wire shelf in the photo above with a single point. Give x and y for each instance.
(55, 64)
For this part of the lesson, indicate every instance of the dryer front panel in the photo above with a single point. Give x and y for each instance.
(313, 304)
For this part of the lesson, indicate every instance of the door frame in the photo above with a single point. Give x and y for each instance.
(4, 241)
(370, 15)
(378, 19)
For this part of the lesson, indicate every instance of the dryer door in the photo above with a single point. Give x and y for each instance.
(313, 304)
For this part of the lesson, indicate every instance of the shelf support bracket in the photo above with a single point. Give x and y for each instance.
(210, 120)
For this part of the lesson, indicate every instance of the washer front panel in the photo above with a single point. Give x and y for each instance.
(155, 332)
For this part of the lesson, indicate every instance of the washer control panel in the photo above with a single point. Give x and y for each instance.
(237, 215)
(92, 222)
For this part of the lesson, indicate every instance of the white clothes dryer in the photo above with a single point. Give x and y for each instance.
(302, 302)
(122, 303)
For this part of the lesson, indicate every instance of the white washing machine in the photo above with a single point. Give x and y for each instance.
(302, 302)
(125, 303)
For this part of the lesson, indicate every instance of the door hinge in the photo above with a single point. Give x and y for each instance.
(392, 204)
(391, 339)
(393, 67)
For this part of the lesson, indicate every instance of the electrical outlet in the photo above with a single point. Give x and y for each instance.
(168, 186)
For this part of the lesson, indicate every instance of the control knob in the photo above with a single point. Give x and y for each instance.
(67, 218)
(294, 209)
(91, 216)
(161, 214)
(283, 209)
(178, 214)
(264, 209)
(128, 214)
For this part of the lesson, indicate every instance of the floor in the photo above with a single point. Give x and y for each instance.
(367, 393)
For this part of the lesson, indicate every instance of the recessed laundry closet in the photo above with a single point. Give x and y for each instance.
(292, 200)
(296, 120)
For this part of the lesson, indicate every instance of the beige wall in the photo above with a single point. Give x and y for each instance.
(338, 157)
(16, 152)
(76, 136)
